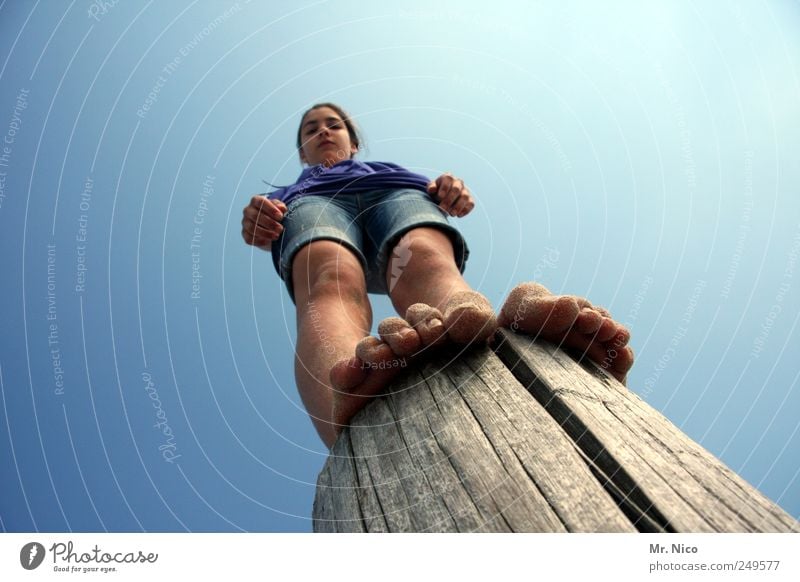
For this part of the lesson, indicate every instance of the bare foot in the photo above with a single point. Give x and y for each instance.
(357, 379)
(468, 318)
(570, 321)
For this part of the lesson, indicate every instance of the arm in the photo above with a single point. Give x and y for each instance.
(261, 221)
(453, 195)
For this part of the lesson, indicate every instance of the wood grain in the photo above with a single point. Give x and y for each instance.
(525, 439)
(460, 445)
(659, 470)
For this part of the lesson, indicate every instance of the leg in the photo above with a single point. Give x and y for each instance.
(428, 280)
(422, 277)
(423, 270)
(333, 314)
(570, 321)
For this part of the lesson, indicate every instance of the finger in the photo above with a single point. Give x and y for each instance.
(271, 209)
(466, 210)
(461, 205)
(255, 216)
(280, 205)
(445, 184)
(452, 196)
(447, 206)
(260, 218)
(266, 207)
(273, 230)
(464, 198)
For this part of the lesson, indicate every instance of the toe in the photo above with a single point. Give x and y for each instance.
(469, 317)
(510, 313)
(602, 311)
(555, 314)
(428, 323)
(622, 363)
(398, 334)
(372, 350)
(572, 322)
(616, 362)
(530, 289)
(549, 316)
(582, 302)
(347, 374)
(588, 348)
(608, 329)
(620, 339)
(588, 321)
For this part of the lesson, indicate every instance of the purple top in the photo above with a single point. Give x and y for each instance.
(350, 176)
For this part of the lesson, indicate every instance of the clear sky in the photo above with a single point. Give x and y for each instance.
(643, 156)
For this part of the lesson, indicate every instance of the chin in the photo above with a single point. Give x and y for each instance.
(328, 162)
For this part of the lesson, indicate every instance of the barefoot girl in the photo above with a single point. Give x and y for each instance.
(348, 227)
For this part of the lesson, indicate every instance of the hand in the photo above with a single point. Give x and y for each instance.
(453, 195)
(261, 221)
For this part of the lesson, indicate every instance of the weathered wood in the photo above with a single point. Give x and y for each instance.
(525, 439)
(661, 472)
(461, 449)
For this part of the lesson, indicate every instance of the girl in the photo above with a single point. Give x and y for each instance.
(346, 228)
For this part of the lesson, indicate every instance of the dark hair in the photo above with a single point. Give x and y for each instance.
(352, 129)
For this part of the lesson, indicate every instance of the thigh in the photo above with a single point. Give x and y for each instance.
(389, 217)
(316, 218)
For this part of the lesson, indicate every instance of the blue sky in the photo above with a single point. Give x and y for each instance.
(642, 156)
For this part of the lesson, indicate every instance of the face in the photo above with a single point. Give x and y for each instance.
(325, 138)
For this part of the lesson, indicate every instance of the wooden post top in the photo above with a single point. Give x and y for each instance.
(521, 438)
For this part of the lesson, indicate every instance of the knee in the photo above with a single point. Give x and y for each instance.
(335, 272)
(426, 248)
(335, 277)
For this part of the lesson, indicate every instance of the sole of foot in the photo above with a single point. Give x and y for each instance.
(468, 318)
(569, 321)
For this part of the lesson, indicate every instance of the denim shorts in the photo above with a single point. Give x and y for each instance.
(368, 223)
